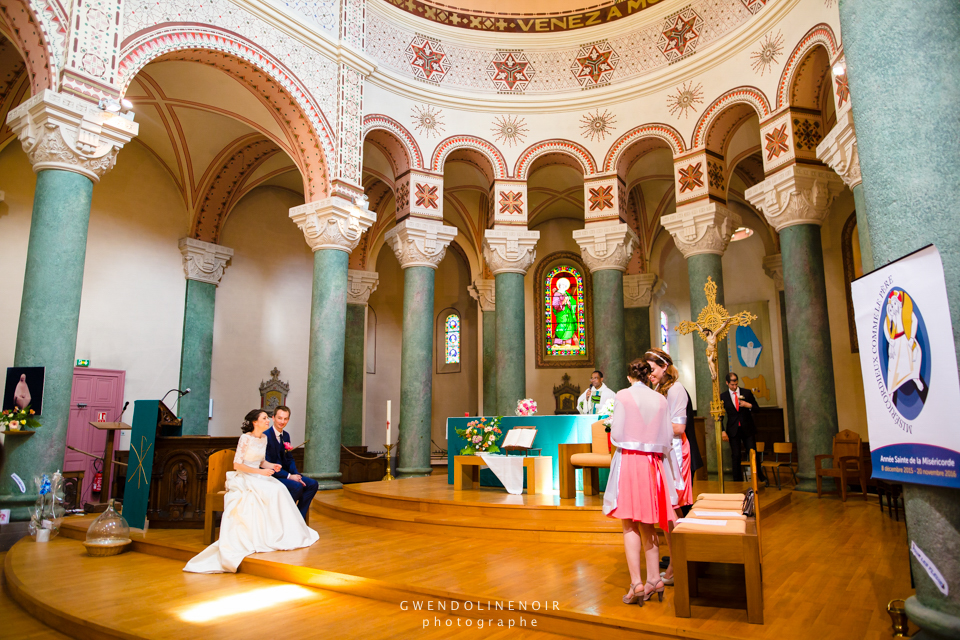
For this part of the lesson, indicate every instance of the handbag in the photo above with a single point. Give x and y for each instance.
(748, 504)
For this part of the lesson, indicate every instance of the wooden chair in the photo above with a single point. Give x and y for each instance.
(746, 463)
(756, 500)
(847, 463)
(217, 466)
(589, 457)
(783, 457)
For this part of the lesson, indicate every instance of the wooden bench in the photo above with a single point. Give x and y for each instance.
(591, 457)
(538, 471)
(217, 466)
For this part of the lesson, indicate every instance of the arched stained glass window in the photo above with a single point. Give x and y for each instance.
(452, 335)
(664, 332)
(565, 329)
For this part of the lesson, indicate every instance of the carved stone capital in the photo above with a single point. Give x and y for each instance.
(204, 261)
(510, 250)
(420, 243)
(638, 290)
(332, 223)
(485, 293)
(773, 267)
(360, 284)
(62, 132)
(606, 247)
(839, 150)
(699, 229)
(796, 195)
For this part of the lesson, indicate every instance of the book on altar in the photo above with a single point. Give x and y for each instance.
(519, 438)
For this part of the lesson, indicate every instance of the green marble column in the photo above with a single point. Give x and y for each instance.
(636, 327)
(787, 376)
(47, 333)
(904, 103)
(328, 318)
(608, 327)
(511, 363)
(699, 268)
(416, 372)
(863, 229)
(196, 356)
(490, 363)
(354, 368)
(811, 363)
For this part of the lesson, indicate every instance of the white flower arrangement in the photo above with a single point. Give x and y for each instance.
(526, 407)
(607, 411)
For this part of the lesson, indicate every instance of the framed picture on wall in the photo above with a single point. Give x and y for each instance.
(24, 387)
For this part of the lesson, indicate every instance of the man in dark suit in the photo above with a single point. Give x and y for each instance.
(740, 432)
(279, 451)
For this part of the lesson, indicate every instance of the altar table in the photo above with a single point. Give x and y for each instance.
(537, 471)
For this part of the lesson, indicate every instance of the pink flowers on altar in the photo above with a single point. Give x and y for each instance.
(526, 407)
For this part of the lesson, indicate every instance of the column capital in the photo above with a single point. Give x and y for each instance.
(62, 132)
(704, 228)
(639, 290)
(773, 267)
(204, 261)
(796, 195)
(510, 250)
(419, 195)
(510, 204)
(606, 247)
(604, 200)
(485, 293)
(332, 223)
(420, 243)
(360, 284)
(839, 150)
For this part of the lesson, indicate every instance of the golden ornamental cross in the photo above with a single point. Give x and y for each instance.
(712, 324)
(139, 471)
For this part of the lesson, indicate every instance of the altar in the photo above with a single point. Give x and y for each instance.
(552, 431)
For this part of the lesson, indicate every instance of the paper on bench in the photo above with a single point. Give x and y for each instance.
(712, 523)
(717, 514)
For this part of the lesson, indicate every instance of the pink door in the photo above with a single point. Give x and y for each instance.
(97, 397)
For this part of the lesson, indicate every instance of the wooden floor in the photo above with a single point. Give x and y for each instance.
(829, 570)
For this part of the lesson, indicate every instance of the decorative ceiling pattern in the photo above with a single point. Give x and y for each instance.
(648, 47)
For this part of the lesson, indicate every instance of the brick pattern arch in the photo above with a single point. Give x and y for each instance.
(487, 149)
(741, 95)
(566, 147)
(655, 130)
(257, 69)
(819, 35)
(38, 32)
(380, 122)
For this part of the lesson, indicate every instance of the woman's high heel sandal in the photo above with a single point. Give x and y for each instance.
(657, 589)
(635, 598)
(666, 581)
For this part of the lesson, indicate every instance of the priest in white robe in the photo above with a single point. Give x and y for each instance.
(596, 397)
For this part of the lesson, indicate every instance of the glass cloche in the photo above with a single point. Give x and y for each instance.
(108, 535)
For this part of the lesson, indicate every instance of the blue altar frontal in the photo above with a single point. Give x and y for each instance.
(552, 431)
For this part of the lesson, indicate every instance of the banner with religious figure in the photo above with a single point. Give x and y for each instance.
(750, 352)
(909, 364)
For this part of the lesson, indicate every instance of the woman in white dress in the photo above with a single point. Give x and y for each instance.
(259, 515)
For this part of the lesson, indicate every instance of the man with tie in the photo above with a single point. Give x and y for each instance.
(739, 431)
(280, 451)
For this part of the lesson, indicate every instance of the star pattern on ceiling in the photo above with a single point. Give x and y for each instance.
(510, 71)
(595, 64)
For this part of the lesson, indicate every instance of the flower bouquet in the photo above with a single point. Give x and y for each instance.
(607, 420)
(17, 419)
(481, 436)
(526, 407)
(48, 511)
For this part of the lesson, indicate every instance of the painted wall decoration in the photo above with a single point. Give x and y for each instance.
(909, 364)
(686, 99)
(427, 60)
(750, 353)
(510, 71)
(595, 64)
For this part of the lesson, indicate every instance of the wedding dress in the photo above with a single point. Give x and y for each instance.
(259, 515)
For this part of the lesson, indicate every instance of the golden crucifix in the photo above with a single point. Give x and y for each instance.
(712, 324)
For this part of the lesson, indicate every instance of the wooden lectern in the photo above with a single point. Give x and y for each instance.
(108, 462)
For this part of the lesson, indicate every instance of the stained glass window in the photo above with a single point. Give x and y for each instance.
(452, 332)
(565, 325)
(664, 332)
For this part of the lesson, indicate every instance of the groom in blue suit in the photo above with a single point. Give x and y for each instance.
(279, 451)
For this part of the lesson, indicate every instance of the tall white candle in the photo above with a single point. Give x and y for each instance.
(388, 422)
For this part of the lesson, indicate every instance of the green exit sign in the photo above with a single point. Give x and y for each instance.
(83, 363)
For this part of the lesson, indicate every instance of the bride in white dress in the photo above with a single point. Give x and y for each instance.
(259, 514)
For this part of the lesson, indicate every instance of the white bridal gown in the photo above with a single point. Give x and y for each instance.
(259, 515)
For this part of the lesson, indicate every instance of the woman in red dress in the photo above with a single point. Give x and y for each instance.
(640, 489)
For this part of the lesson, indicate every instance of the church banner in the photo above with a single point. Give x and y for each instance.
(909, 365)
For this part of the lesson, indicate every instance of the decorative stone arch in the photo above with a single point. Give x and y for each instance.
(820, 35)
(741, 95)
(656, 130)
(38, 30)
(486, 149)
(566, 147)
(380, 122)
(257, 69)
